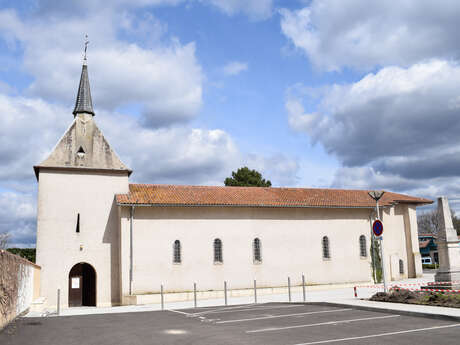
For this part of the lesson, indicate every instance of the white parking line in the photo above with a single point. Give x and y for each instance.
(207, 311)
(250, 309)
(179, 312)
(285, 315)
(379, 335)
(319, 324)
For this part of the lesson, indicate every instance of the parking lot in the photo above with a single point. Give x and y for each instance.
(264, 324)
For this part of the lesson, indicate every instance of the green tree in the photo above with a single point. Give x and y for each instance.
(244, 177)
(376, 263)
(456, 222)
(26, 253)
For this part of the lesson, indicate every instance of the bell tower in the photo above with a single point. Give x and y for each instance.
(77, 221)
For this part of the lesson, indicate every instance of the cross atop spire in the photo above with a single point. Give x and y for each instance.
(86, 47)
(84, 103)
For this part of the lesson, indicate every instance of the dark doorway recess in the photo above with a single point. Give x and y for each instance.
(82, 285)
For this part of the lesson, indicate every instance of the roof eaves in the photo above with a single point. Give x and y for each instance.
(241, 205)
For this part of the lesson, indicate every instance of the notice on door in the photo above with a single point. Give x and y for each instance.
(76, 283)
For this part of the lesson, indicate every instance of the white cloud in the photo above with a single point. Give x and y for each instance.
(394, 112)
(395, 129)
(281, 170)
(235, 67)
(365, 34)
(29, 128)
(180, 155)
(165, 80)
(18, 218)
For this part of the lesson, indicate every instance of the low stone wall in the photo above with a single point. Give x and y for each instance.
(19, 285)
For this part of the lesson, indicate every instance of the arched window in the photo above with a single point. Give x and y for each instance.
(401, 266)
(177, 259)
(362, 246)
(326, 252)
(256, 250)
(218, 258)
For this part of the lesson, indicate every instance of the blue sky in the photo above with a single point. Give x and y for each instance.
(310, 93)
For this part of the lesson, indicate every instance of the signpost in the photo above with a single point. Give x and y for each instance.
(377, 228)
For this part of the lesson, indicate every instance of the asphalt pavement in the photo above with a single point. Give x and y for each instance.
(258, 324)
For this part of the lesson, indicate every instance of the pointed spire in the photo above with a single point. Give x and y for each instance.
(84, 103)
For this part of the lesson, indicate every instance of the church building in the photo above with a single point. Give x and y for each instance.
(104, 241)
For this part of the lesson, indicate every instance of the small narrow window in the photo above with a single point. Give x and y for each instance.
(176, 252)
(401, 266)
(326, 253)
(362, 246)
(218, 258)
(78, 223)
(257, 251)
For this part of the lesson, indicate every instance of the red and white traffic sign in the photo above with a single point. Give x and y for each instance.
(377, 228)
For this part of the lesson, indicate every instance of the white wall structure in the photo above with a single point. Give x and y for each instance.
(62, 196)
(291, 240)
(20, 284)
(103, 241)
(25, 288)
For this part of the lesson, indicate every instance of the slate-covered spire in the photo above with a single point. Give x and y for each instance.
(84, 104)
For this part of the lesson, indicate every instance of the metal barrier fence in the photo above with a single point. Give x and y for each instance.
(255, 290)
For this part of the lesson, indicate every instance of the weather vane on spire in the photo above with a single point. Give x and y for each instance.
(86, 46)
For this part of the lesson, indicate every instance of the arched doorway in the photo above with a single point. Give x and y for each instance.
(82, 285)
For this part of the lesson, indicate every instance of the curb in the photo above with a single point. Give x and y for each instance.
(389, 310)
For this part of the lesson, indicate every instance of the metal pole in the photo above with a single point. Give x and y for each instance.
(385, 287)
(289, 288)
(382, 253)
(131, 251)
(255, 291)
(58, 309)
(162, 298)
(225, 292)
(194, 294)
(303, 287)
(374, 271)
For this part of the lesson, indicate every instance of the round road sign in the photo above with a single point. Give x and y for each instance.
(377, 227)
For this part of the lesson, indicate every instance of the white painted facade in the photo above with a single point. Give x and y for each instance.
(26, 287)
(291, 245)
(62, 195)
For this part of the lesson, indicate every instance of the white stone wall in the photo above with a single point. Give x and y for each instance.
(61, 195)
(19, 283)
(25, 288)
(291, 245)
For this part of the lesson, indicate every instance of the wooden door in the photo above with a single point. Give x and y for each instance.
(75, 291)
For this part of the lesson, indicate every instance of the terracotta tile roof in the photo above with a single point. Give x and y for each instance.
(176, 195)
